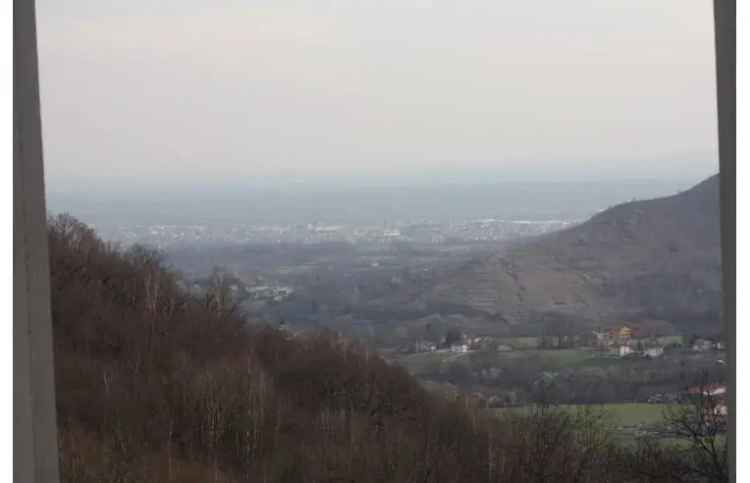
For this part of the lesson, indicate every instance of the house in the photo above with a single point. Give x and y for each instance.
(717, 389)
(623, 332)
(721, 409)
(717, 403)
(654, 352)
(424, 346)
(459, 348)
(702, 345)
(618, 335)
(477, 343)
(600, 336)
(709, 390)
(602, 340)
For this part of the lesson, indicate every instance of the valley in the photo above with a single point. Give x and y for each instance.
(496, 317)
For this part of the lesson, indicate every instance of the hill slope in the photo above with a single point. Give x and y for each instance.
(154, 385)
(657, 258)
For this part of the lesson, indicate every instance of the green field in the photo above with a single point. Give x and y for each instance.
(420, 362)
(550, 359)
(520, 342)
(627, 419)
(622, 414)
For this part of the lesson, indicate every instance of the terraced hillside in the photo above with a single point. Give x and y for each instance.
(657, 258)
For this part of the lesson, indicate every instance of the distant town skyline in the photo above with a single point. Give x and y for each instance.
(216, 92)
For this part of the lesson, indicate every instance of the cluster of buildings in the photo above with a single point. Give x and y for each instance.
(240, 292)
(465, 344)
(492, 229)
(275, 293)
(164, 236)
(715, 395)
(620, 341)
(462, 345)
(428, 346)
(625, 341)
(704, 345)
(425, 346)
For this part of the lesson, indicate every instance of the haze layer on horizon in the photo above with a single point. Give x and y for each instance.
(207, 92)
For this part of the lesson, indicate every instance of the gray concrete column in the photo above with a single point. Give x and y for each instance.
(726, 59)
(34, 421)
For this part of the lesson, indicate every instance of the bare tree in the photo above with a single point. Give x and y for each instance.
(219, 296)
(701, 422)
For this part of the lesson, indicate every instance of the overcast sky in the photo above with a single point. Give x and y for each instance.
(231, 90)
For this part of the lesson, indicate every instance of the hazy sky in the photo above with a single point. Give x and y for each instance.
(218, 90)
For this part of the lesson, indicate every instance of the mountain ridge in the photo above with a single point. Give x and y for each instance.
(657, 258)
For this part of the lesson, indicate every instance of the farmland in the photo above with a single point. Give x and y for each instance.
(420, 363)
(619, 414)
(628, 420)
(564, 376)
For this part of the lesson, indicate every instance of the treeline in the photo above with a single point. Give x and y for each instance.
(154, 385)
(515, 381)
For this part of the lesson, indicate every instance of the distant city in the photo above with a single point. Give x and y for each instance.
(482, 230)
(420, 213)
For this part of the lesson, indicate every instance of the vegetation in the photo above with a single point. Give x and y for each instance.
(577, 376)
(154, 385)
(620, 414)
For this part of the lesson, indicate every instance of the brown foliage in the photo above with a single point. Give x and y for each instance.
(153, 385)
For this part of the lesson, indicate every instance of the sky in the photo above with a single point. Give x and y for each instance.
(221, 91)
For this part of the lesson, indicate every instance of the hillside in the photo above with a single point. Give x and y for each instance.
(658, 258)
(154, 385)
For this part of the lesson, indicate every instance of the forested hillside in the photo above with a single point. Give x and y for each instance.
(153, 385)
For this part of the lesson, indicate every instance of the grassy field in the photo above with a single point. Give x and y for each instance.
(552, 359)
(525, 343)
(420, 362)
(671, 339)
(627, 419)
(622, 414)
(519, 343)
(629, 414)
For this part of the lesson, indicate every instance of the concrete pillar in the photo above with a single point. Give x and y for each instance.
(726, 58)
(34, 428)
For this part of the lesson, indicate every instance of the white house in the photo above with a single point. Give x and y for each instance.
(602, 338)
(459, 348)
(721, 410)
(702, 345)
(709, 390)
(654, 352)
(424, 346)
